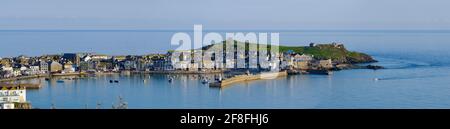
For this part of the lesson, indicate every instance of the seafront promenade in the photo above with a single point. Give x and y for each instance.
(22, 78)
(27, 85)
(41, 76)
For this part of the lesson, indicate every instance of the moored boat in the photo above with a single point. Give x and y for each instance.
(320, 72)
(205, 81)
(170, 79)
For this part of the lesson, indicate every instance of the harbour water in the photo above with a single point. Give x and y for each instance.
(417, 74)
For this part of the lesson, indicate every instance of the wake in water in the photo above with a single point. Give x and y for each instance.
(410, 61)
(402, 64)
(413, 67)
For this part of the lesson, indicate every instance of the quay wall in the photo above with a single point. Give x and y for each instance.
(39, 76)
(243, 78)
(179, 72)
(21, 78)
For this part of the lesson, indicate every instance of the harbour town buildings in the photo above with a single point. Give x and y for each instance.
(180, 60)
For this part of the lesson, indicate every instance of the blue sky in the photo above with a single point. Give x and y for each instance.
(224, 14)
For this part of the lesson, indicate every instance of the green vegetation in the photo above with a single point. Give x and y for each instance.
(338, 53)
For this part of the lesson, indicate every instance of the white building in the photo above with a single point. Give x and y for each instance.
(7, 71)
(303, 57)
(130, 65)
(69, 68)
(87, 58)
(16, 72)
(43, 66)
(99, 57)
(5, 68)
(23, 68)
(32, 70)
(35, 70)
(9, 96)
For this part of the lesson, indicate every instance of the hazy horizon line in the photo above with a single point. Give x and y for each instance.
(235, 30)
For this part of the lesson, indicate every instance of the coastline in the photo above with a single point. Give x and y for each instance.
(22, 78)
(179, 72)
(295, 71)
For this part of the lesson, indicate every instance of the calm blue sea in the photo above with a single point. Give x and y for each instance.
(417, 74)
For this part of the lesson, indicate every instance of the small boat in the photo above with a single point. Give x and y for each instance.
(170, 80)
(116, 81)
(60, 81)
(205, 81)
(321, 72)
(47, 79)
(293, 72)
(111, 81)
(217, 82)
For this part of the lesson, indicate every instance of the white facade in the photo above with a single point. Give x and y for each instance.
(303, 57)
(6, 105)
(43, 66)
(99, 57)
(16, 73)
(8, 71)
(4, 68)
(87, 58)
(9, 96)
(32, 70)
(69, 69)
(35, 70)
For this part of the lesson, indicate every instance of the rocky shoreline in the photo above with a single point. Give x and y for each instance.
(355, 66)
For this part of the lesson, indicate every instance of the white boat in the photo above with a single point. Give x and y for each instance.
(205, 81)
(170, 80)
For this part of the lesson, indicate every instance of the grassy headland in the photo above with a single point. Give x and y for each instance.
(330, 51)
(337, 52)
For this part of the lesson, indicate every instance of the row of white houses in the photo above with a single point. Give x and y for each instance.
(10, 96)
(194, 60)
